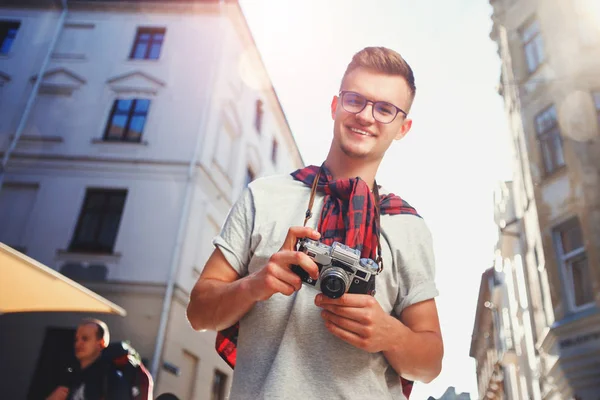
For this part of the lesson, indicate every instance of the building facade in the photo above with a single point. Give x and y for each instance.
(127, 131)
(550, 82)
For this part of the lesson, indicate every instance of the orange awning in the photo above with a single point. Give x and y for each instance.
(27, 285)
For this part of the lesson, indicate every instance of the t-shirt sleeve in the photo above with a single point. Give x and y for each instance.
(416, 265)
(234, 240)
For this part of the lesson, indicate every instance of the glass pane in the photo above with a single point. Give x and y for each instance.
(6, 45)
(571, 237)
(559, 160)
(274, 151)
(94, 201)
(546, 120)
(539, 49)
(140, 50)
(530, 31)
(123, 106)
(141, 105)
(108, 230)
(548, 155)
(117, 127)
(116, 202)
(531, 56)
(87, 229)
(143, 37)
(582, 283)
(154, 51)
(158, 37)
(136, 127)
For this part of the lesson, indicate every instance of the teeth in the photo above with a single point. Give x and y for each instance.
(360, 132)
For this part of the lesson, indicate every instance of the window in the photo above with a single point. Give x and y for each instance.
(99, 221)
(259, 115)
(548, 134)
(218, 386)
(8, 33)
(533, 45)
(148, 43)
(274, 151)
(249, 176)
(573, 260)
(127, 120)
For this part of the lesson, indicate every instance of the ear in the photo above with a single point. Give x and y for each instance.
(404, 128)
(334, 103)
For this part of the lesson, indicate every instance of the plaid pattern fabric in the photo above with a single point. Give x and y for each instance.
(348, 217)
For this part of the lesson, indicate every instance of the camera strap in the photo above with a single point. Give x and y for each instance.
(308, 215)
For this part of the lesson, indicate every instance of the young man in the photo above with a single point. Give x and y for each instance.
(93, 379)
(297, 343)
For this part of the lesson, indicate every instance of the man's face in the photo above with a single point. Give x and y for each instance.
(360, 135)
(87, 344)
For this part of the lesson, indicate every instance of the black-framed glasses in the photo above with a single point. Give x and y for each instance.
(383, 111)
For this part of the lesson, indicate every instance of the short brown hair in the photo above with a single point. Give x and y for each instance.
(102, 332)
(383, 60)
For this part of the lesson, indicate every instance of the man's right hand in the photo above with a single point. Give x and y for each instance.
(220, 298)
(60, 393)
(276, 276)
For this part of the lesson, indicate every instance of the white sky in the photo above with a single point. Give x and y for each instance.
(456, 152)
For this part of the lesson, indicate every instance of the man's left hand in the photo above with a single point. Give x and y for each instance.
(357, 319)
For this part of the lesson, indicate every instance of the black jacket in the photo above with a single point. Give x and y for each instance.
(98, 381)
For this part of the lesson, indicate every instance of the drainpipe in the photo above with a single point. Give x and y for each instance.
(34, 92)
(186, 206)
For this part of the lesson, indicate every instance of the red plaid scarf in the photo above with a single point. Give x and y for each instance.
(349, 217)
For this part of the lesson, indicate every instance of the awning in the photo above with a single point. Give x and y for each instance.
(27, 286)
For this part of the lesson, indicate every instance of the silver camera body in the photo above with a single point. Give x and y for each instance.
(341, 269)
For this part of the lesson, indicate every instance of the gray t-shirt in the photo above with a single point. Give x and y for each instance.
(284, 350)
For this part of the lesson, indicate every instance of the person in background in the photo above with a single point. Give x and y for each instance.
(93, 379)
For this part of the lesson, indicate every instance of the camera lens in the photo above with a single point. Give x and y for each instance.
(334, 282)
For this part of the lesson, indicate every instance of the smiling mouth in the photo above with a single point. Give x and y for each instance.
(361, 132)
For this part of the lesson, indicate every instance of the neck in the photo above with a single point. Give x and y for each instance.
(346, 167)
(88, 361)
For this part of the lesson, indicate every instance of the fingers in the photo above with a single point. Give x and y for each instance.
(347, 300)
(360, 315)
(287, 258)
(275, 285)
(346, 324)
(297, 232)
(346, 335)
(284, 275)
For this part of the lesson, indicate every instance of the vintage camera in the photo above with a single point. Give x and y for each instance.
(341, 269)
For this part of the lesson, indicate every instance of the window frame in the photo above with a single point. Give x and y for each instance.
(5, 29)
(547, 136)
(533, 46)
(259, 115)
(274, 151)
(77, 245)
(220, 393)
(566, 261)
(152, 31)
(131, 113)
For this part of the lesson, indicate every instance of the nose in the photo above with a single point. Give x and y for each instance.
(366, 115)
